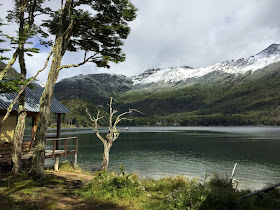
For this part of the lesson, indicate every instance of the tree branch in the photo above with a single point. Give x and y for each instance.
(67, 33)
(123, 129)
(95, 120)
(9, 65)
(111, 113)
(89, 59)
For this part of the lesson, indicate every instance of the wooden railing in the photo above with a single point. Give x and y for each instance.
(27, 151)
(56, 153)
(66, 151)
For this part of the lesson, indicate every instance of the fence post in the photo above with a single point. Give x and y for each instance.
(56, 163)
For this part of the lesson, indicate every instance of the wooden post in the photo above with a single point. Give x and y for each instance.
(76, 153)
(58, 131)
(76, 160)
(56, 163)
(34, 127)
(65, 147)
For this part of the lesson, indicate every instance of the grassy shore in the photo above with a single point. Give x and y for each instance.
(76, 189)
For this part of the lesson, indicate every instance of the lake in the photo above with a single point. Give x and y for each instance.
(194, 152)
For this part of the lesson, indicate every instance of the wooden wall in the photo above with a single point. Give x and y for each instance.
(8, 129)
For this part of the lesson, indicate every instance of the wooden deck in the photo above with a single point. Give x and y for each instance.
(27, 151)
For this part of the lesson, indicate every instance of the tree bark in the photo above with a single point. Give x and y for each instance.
(37, 169)
(106, 153)
(17, 140)
(10, 108)
(113, 131)
(9, 65)
(59, 49)
(19, 131)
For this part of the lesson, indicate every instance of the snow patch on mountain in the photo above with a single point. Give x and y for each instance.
(239, 66)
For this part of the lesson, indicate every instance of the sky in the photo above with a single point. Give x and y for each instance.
(174, 33)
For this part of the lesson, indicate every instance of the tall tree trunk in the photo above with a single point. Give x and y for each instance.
(105, 162)
(59, 49)
(37, 169)
(18, 138)
(19, 131)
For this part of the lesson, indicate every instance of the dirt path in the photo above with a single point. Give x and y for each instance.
(70, 176)
(67, 198)
(61, 191)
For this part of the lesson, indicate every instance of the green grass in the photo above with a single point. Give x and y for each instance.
(127, 191)
(174, 193)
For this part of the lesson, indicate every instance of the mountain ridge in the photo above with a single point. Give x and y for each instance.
(236, 92)
(242, 65)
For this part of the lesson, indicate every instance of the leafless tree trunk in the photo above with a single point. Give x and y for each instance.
(113, 133)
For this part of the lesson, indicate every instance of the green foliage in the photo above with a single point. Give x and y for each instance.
(11, 74)
(165, 185)
(220, 194)
(189, 196)
(228, 101)
(101, 33)
(66, 166)
(269, 200)
(11, 83)
(10, 86)
(2, 50)
(24, 15)
(78, 116)
(107, 186)
(127, 191)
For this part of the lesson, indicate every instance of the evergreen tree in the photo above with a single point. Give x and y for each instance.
(2, 50)
(99, 34)
(23, 14)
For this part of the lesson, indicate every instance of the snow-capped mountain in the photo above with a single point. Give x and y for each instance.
(244, 91)
(239, 66)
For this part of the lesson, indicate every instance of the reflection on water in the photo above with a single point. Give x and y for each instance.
(191, 151)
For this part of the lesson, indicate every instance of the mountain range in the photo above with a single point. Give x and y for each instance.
(244, 91)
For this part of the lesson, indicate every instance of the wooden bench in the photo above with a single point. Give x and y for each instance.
(6, 150)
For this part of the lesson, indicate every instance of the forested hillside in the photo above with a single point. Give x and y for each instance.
(217, 99)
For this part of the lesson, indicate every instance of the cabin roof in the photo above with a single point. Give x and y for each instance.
(32, 98)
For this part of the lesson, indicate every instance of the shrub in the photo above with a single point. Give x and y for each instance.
(107, 185)
(191, 195)
(221, 195)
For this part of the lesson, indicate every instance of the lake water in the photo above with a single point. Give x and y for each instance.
(156, 152)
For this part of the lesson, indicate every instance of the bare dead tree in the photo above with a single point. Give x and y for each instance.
(113, 133)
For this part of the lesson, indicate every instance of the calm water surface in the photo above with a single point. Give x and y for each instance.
(157, 152)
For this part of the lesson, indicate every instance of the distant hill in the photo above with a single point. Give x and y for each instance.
(12, 73)
(78, 116)
(244, 91)
(95, 88)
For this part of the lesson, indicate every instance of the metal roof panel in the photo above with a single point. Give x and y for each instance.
(32, 101)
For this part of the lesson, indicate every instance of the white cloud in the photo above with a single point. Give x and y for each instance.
(184, 32)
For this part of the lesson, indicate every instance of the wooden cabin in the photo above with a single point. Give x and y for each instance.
(32, 108)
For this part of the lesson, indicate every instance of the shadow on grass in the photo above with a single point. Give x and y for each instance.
(15, 183)
(54, 192)
(7, 202)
